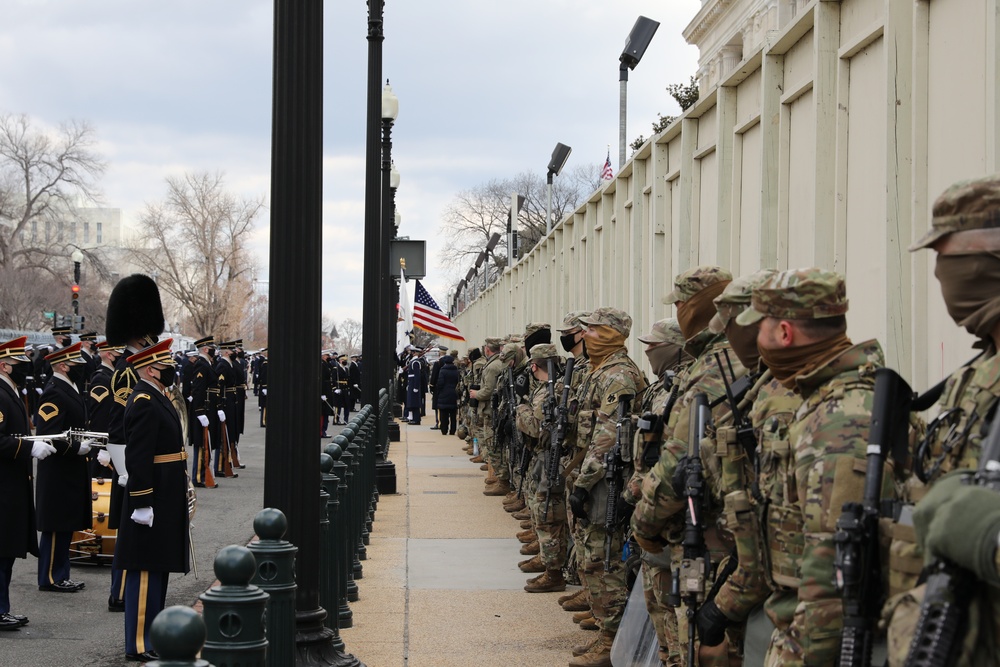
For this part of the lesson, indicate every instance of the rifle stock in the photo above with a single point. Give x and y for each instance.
(614, 466)
(558, 433)
(691, 575)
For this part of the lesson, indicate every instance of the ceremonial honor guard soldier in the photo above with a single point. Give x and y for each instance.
(63, 492)
(89, 352)
(227, 379)
(18, 525)
(240, 364)
(202, 377)
(100, 402)
(153, 533)
(262, 386)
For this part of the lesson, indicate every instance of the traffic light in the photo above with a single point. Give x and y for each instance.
(78, 323)
(76, 292)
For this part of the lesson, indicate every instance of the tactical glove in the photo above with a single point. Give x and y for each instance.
(960, 523)
(577, 500)
(649, 546)
(625, 510)
(712, 624)
(679, 480)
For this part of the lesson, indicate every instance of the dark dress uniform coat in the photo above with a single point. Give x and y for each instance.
(327, 383)
(62, 492)
(100, 400)
(228, 381)
(17, 523)
(123, 380)
(202, 378)
(152, 429)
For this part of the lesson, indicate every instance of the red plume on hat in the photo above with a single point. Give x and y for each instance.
(134, 310)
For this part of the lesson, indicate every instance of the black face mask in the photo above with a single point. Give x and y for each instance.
(78, 373)
(19, 373)
(168, 375)
(211, 353)
(568, 341)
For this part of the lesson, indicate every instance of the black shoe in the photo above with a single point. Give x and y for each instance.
(198, 485)
(148, 656)
(59, 587)
(116, 605)
(12, 621)
(242, 467)
(80, 585)
(324, 435)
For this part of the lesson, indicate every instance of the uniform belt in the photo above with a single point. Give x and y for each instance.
(171, 458)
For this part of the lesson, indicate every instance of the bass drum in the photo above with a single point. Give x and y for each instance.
(97, 545)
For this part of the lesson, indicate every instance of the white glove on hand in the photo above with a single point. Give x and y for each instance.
(24, 392)
(203, 420)
(84, 447)
(416, 391)
(123, 481)
(222, 415)
(39, 390)
(42, 448)
(104, 458)
(143, 515)
(356, 387)
(323, 397)
(265, 391)
(336, 391)
(190, 399)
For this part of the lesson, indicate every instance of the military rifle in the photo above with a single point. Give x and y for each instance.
(516, 446)
(736, 391)
(557, 431)
(856, 560)
(689, 578)
(945, 608)
(651, 426)
(614, 468)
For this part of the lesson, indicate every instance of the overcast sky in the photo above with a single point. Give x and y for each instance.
(486, 90)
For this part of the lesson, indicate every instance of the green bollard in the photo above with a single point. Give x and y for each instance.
(357, 510)
(177, 634)
(347, 511)
(329, 598)
(275, 575)
(234, 612)
(339, 537)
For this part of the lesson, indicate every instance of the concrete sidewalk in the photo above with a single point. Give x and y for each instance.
(441, 585)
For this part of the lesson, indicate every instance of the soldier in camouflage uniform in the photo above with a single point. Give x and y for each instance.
(658, 520)
(612, 375)
(665, 351)
(474, 437)
(954, 520)
(803, 341)
(548, 518)
(769, 408)
(500, 484)
(513, 369)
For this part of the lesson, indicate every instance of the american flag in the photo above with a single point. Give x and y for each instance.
(607, 174)
(429, 317)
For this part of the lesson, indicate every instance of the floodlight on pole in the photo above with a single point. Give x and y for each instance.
(516, 204)
(556, 163)
(635, 46)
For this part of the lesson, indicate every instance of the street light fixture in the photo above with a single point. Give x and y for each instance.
(556, 163)
(517, 203)
(635, 46)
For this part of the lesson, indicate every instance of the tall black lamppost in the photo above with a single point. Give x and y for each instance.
(390, 111)
(635, 46)
(558, 160)
(374, 292)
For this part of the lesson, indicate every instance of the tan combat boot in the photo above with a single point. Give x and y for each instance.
(550, 582)
(522, 515)
(477, 459)
(510, 498)
(580, 649)
(581, 616)
(525, 525)
(501, 488)
(484, 467)
(533, 564)
(530, 549)
(569, 596)
(581, 602)
(599, 654)
(515, 507)
(527, 536)
(589, 624)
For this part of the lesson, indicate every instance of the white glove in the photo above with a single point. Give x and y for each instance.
(323, 397)
(104, 458)
(143, 515)
(357, 387)
(336, 391)
(265, 391)
(39, 390)
(42, 448)
(24, 392)
(190, 399)
(203, 420)
(123, 481)
(85, 447)
(222, 415)
(416, 391)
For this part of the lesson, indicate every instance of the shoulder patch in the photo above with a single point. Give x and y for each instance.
(1, 417)
(143, 395)
(199, 375)
(48, 410)
(612, 398)
(99, 393)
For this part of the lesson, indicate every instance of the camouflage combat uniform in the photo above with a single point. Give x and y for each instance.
(487, 387)
(475, 419)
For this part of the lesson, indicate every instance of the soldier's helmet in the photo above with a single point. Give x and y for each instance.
(797, 294)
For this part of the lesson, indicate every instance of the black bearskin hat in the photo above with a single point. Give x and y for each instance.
(134, 310)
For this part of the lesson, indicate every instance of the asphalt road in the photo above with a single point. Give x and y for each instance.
(76, 628)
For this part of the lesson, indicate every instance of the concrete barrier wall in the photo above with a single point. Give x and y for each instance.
(826, 144)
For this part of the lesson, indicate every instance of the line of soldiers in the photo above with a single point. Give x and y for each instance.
(340, 387)
(785, 501)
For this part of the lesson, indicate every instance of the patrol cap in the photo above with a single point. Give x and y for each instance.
(69, 355)
(664, 331)
(543, 351)
(618, 320)
(154, 354)
(13, 350)
(493, 342)
(207, 341)
(797, 294)
(508, 352)
(572, 320)
(972, 204)
(735, 298)
(692, 281)
(451, 353)
(534, 327)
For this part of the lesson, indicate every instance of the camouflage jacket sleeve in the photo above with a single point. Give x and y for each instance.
(488, 384)
(599, 411)
(529, 416)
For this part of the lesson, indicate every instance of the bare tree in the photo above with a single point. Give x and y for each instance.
(42, 176)
(474, 215)
(349, 341)
(194, 244)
